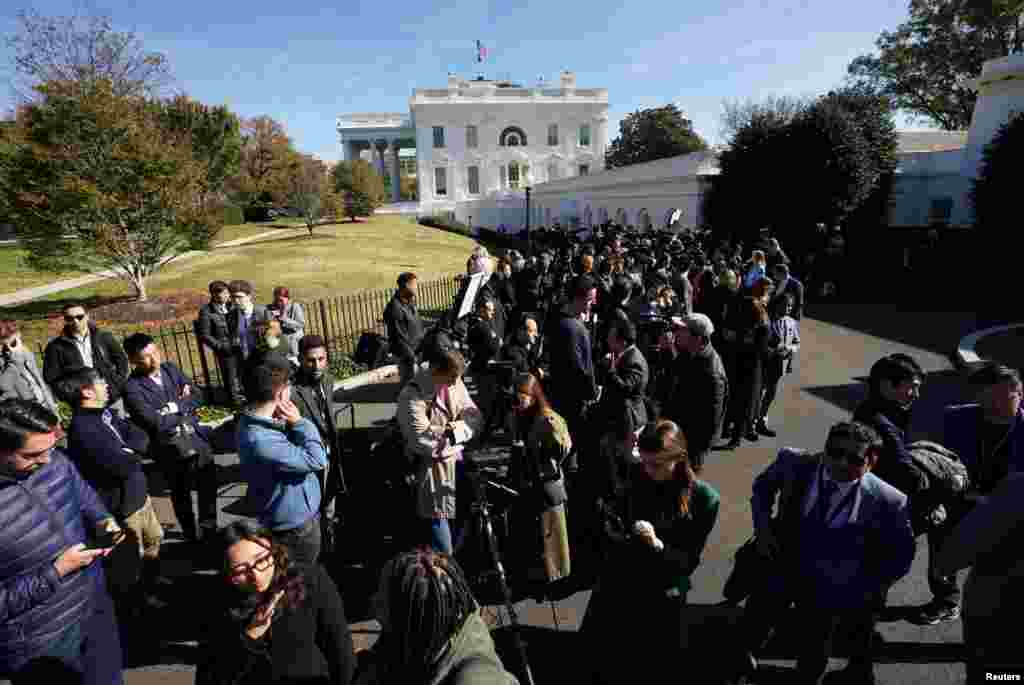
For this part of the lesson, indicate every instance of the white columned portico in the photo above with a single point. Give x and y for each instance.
(395, 172)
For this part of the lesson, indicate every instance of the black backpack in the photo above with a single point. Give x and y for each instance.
(371, 350)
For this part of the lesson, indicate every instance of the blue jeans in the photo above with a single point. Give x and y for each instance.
(441, 536)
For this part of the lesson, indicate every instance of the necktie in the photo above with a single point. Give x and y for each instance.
(826, 493)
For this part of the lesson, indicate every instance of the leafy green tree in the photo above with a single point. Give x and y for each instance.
(924, 65)
(360, 187)
(94, 181)
(996, 191)
(650, 134)
(214, 132)
(310, 189)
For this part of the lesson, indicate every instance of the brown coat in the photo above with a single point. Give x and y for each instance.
(423, 418)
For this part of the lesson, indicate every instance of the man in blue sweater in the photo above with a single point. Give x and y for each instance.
(282, 455)
(108, 451)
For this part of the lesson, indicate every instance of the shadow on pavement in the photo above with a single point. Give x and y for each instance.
(938, 330)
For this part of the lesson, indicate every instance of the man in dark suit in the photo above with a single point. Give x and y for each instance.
(626, 381)
(81, 344)
(160, 400)
(840, 537)
(214, 332)
(313, 394)
(243, 320)
(785, 283)
(700, 388)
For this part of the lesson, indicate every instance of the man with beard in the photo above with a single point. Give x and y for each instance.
(313, 394)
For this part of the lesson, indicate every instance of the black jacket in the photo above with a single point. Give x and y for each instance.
(111, 466)
(309, 644)
(62, 358)
(405, 330)
(624, 388)
(484, 343)
(895, 464)
(306, 398)
(699, 398)
(527, 358)
(572, 364)
(145, 399)
(213, 329)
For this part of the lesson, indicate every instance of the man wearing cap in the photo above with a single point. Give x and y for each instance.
(291, 316)
(701, 388)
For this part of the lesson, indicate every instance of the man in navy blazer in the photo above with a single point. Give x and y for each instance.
(834, 557)
(160, 400)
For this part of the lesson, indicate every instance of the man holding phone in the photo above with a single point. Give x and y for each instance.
(55, 613)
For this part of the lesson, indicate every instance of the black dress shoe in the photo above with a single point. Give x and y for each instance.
(732, 444)
(764, 430)
(751, 436)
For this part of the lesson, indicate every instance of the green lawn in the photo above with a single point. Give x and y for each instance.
(14, 275)
(339, 259)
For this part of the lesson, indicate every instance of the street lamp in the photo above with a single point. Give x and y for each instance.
(529, 242)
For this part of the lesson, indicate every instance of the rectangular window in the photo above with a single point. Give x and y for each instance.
(552, 172)
(513, 176)
(553, 134)
(584, 169)
(440, 182)
(471, 141)
(504, 180)
(438, 136)
(585, 135)
(473, 180)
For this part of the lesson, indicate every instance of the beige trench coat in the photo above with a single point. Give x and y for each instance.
(423, 418)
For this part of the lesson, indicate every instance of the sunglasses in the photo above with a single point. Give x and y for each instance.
(261, 564)
(73, 317)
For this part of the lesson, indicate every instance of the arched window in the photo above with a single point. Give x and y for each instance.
(644, 220)
(588, 217)
(547, 217)
(513, 136)
(602, 215)
(621, 218)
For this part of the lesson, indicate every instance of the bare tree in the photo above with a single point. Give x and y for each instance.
(82, 49)
(738, 113)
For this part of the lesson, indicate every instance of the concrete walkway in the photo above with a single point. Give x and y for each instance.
(40, 291)
(836, 355)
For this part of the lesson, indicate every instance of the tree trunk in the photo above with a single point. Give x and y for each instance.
(139, 285)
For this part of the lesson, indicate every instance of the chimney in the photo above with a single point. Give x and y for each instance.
(568, 82)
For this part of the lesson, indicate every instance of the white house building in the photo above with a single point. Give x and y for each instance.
(480, 144)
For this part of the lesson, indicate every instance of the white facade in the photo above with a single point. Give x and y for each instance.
(480, 139)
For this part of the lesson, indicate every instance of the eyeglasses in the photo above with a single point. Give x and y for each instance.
(73, 317)
(261, 564)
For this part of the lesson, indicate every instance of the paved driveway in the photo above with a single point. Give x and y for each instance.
(840, 343)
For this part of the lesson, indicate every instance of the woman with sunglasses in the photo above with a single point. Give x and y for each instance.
(666, 516)
(281, 623)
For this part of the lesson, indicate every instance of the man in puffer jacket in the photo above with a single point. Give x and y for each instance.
(56, 618)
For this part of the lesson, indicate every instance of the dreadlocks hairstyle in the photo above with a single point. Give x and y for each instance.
(427, 600)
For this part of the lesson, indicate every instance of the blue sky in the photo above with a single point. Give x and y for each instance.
(306, 62)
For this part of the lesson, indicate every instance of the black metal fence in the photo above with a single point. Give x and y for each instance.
(340, 321)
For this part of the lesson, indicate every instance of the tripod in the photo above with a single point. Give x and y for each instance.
(481, 528)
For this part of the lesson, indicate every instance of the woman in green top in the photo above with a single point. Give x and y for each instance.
(656, 542)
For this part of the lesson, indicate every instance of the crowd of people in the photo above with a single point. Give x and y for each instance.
(617, 365)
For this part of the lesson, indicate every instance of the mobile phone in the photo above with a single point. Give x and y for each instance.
(106, 541)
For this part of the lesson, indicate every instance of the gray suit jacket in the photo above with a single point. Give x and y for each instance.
(625, 386)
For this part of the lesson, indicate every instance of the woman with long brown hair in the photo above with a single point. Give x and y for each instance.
(546, 445)
(656, 539)
(281, 623)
